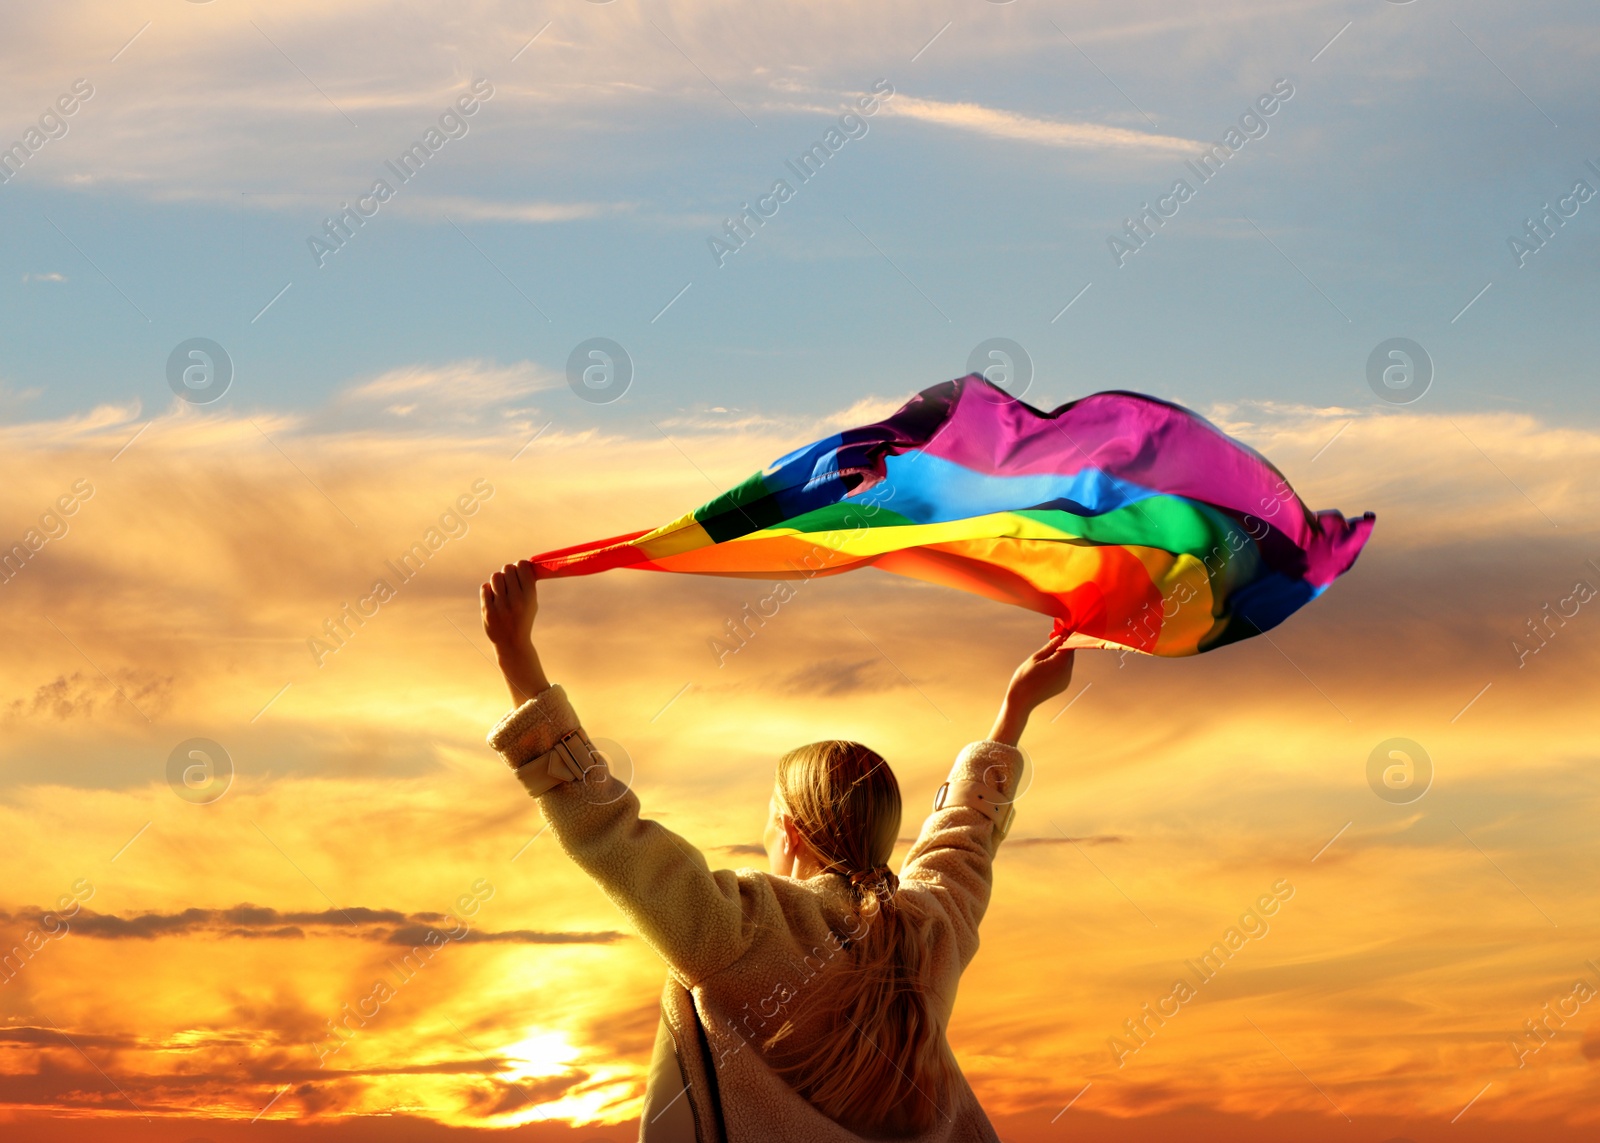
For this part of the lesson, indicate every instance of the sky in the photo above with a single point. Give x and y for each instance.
(200, 539)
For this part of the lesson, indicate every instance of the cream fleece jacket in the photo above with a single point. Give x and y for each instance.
(736, 942)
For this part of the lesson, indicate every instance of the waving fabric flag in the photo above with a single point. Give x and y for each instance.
(1134, 522)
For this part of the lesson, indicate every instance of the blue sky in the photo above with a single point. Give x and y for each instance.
(977, 204)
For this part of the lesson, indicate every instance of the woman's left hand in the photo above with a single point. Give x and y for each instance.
(1045, 673)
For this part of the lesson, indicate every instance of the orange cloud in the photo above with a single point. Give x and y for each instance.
(181, 599)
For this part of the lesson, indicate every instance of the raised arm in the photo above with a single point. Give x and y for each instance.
(1045, 673)
(697, 920)
(954, 854)
(509, 601)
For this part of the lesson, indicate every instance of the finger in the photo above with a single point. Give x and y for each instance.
(513, 584)
(529, 570)
(499, 581)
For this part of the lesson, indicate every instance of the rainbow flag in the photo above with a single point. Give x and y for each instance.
(1134, 522)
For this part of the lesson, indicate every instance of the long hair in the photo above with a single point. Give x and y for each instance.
(876, 1061)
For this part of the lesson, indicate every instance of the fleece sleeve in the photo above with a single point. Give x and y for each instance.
(697, 920)
(954, 854)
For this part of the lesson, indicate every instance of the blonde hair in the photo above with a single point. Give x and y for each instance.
(877, 1062)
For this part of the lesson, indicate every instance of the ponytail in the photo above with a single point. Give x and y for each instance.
(879, 1065)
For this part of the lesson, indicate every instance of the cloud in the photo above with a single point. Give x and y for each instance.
(67, 696)
(837, 677)
(999, 124)
(50, 277)
(269, 559)
(207, 104)
(22, 1034)
(459, 393)
(414, 935)
(389, 926)
(13, 401)
(490, 210)
(508, 1097)
(204, 560)
(722, 420)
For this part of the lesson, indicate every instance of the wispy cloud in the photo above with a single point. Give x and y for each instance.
(389, 926)
(509, 210)
(1000, 124)
(459, 393)
(204, 560)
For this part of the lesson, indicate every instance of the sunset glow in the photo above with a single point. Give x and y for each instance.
(262, 877)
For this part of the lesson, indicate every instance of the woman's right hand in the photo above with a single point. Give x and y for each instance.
(509, 600)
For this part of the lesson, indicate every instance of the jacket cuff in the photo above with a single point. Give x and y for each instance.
(992, 764)
(534, 727)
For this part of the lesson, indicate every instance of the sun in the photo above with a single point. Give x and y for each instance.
(540, 1054)
(607, 1093)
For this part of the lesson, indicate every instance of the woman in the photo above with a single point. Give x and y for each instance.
(809, 1004)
